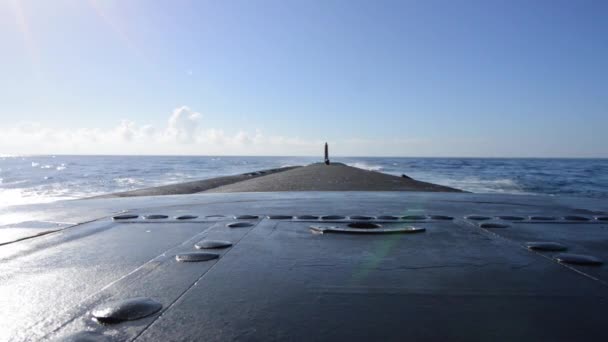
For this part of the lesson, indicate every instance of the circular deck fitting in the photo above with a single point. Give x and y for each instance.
(578, 259)
(156, 217)
(280, 217)
(441, 217)
(247, 217)
(546, 246)
(493, 225)
(125, 310)
(542, 218)
(186, 217)
(387, 218)
(239, 225)
(212, 244)
(477, 218)
(85, 336)
(511, 218)
(576, 218)
(414, 217)
(196, 256)
(602, 218)
(365, 231)
(414, 229)
(364, 225)
(361, 218)
(332, 217)
(125, 217)
(307, 217)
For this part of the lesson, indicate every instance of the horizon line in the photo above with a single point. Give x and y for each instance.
(287, 156)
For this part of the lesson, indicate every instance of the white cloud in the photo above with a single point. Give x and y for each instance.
(126, 130)
(215, 136)
(183, 125)
(185, 134)
(148, 131)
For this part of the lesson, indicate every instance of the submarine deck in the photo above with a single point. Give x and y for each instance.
(307, 266)
(314, 177)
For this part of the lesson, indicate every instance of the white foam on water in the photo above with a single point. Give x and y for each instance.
(365, 166)
(127, 181)
(477, 185)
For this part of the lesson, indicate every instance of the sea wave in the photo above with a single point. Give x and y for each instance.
(474, 184)
(127, 181)
(366, 166)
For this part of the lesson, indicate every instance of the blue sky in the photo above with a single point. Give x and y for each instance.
(401, 78)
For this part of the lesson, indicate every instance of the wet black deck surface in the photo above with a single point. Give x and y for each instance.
(280, 280)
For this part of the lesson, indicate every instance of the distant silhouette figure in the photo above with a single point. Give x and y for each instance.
(326, 154)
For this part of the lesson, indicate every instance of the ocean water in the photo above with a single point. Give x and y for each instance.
(38, 179)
